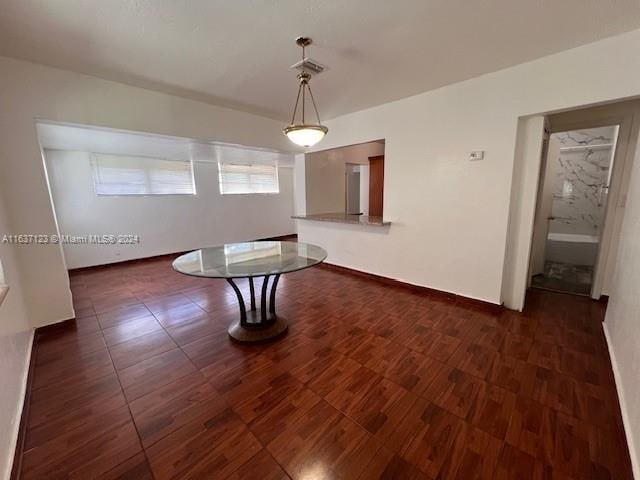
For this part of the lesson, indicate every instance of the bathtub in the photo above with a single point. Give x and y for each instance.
(573, 248)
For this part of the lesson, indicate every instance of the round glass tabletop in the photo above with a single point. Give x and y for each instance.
(249, 259)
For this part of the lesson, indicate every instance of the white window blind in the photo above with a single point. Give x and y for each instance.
(245, 170)
(130, 175)
(248, 178)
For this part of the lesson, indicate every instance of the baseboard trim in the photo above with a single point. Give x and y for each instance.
(283, 238)
(16, 468)
(427, 291)
(635, 462)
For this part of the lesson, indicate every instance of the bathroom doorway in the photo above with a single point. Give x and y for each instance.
(572, 206)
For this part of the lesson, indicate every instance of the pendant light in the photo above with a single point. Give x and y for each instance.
(303, 133)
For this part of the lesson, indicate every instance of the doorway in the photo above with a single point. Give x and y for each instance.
(352, 188)
(572, 205)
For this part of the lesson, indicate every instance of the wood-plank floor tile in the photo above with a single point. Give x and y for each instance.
(322, 359)
(211, 446)
(130, 330)
(189, 331)
(136, 468)
(371, 381)
(133, 351)
(426, 436)
(174, 405)
(276, 408)
(261, 466)
(123, 315)
(473, 456)
(414, 371)
(378, 353)
(67, 348)
(55, 411)
(517, 346)
(319, 445)
(92, 449)
(474, 359)
(512, 374)
(454, 390)
(155, 372)
(387, 465)
(555, 390)
(492, 410)
(215, 354)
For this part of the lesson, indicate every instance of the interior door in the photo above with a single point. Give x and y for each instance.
(549, 168)
(376, 185)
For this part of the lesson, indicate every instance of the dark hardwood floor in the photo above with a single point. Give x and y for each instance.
(372, 381)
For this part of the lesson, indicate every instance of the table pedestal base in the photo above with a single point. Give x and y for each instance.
(259, 333)
(257, 325)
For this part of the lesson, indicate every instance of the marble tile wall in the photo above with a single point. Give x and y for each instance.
(581, 180)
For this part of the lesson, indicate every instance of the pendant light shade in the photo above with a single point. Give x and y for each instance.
(303, 133)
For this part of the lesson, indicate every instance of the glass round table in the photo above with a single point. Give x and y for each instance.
(268, 259)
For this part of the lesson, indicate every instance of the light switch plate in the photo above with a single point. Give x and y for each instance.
(476, 155)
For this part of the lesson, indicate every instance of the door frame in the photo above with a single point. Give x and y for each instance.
(622, 162)
(544, 158)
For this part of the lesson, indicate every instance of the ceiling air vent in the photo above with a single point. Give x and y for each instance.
(309, 65)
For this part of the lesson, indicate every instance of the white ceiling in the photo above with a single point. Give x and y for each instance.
(237, 53)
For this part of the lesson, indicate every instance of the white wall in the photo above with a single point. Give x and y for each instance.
(622, 323)
(299, 187)
(324, 175)
(29, 92)
(15, 349)
(164, 223)
(450, 213)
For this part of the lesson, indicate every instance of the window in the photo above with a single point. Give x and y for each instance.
(243, 170)
(248, 178)
(130, 175)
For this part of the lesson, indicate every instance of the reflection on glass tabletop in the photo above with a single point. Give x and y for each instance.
(249, 259)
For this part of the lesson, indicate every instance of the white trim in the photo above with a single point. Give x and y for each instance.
(635, 462)
(18, 417)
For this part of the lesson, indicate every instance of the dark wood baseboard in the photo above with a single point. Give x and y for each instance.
(16, 468)
(426, 291)
(292, 237)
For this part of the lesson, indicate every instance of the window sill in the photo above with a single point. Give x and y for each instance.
(3, 292)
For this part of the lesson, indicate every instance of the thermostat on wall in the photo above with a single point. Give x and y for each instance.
(477, 155)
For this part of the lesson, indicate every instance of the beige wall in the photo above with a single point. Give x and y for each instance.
(324, 175)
